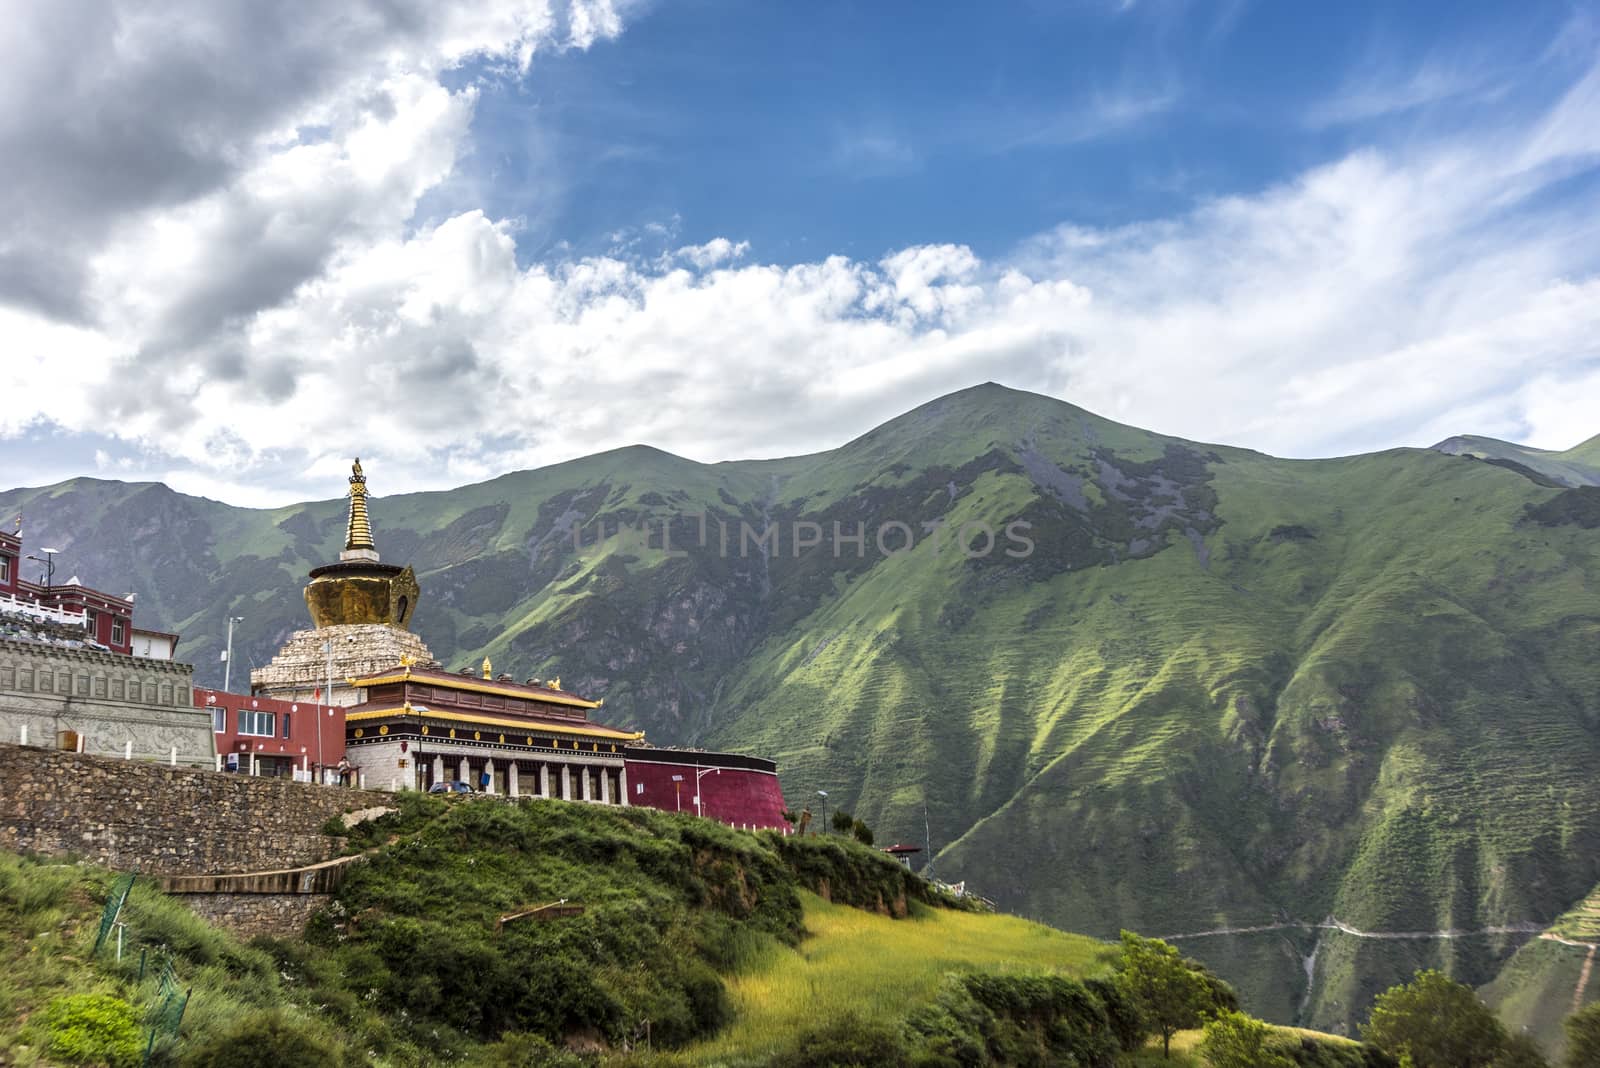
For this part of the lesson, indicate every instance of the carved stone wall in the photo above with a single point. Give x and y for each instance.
(359, 650)
(110, 699)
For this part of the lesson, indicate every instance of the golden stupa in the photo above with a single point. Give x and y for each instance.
(360, 589)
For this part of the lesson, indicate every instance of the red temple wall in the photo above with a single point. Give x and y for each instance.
(736, 796)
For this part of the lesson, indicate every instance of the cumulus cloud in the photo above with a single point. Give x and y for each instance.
(255, 299)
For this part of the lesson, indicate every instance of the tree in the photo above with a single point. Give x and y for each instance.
(862, 832)
(1439, 1022)
(1583, 1037)
(1234, 1040)
(843, 822)
(1169, 994)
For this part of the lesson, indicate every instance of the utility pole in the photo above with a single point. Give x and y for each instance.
(227, 656)
(824, 795)
(927, 837)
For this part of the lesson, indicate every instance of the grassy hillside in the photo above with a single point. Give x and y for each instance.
(1218, 690)
(692, 945)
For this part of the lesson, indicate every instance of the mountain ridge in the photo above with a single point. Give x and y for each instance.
(1221, 687)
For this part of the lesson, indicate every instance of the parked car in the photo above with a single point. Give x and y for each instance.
(453, 786)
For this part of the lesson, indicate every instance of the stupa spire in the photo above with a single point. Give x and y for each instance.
(358, 536)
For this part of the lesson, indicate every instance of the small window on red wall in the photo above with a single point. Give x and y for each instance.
(119, 632)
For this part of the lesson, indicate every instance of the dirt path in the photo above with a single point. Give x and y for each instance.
(1331, 924)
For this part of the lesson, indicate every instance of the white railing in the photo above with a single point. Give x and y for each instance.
(18, 606)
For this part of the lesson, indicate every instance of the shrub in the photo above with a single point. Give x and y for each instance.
(843, 821)
(1583, 1037)
(92, 1029)
(521, 1050)
(1234, 1040)
(268, 1040)
(862, 832)
(847, 1042)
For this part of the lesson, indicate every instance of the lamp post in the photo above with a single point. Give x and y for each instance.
(824, 795)
(699, 805)
(49, 563)
(677, 786)
(227, 656)
(327, 696)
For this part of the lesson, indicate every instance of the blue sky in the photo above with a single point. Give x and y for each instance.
(860, 128)
(736, 230)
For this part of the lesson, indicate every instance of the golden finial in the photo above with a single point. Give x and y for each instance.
(359, 533)
(488, 669)
(555, 683)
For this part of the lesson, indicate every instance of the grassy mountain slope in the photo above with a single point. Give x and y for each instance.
(1221, 690)
(1577, 466)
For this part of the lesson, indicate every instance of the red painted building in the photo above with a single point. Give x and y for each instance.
(264, 736)
(107, 620)
(727, 787)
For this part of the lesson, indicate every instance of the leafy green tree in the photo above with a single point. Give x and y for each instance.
(843, 822)
(1439, 1022)
(1170, 995)
(1583, 1037)
(1234, 1040)
(862, 832)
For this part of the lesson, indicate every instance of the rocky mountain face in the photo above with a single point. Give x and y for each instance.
(1118, 679)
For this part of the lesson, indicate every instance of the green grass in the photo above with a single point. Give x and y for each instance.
(879, 969)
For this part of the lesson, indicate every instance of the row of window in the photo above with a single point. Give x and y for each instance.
(119, 626)
(250, 721)
(27, 680)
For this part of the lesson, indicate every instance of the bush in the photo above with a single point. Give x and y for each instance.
(92, 1029)
(1234, 1040)
(862, 832)
(843, 822)
(1583, 1037)
(520, 1050)
(847, 1042)
(263, 1041)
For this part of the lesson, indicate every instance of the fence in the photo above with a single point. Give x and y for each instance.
(165, 1018)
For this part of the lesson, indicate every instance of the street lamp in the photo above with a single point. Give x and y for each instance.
(227, 656)
(49, 563)
(677, 786)
(824, 795)
(700, 807)
(327, 696)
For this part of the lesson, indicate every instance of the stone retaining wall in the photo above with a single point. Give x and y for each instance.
(130, 815)
(249, 915)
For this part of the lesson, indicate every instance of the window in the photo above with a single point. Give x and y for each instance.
(257, 724)
(219, 720)
(119, 630)
(5, 569)
(286, 724)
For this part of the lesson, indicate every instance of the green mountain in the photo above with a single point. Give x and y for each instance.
(1578, 466)
(1188, 688)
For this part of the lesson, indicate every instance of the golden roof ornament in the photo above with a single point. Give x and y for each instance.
(359, 588)
(488, 669)
(358, 535)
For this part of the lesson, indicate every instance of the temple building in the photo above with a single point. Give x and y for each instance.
(408, 725)
(421, 726)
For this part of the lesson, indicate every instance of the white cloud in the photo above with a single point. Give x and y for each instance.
(287, 309)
